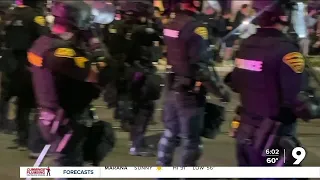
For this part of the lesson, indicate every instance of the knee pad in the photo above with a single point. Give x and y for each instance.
(168, 141)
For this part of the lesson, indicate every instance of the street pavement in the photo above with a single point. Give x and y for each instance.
(217, 152)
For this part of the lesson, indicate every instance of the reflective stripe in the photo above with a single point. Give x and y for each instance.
(171, 33)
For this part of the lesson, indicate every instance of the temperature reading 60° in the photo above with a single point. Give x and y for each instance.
(272, 160)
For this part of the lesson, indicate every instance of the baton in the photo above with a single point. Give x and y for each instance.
(250, 20)
(41, 157)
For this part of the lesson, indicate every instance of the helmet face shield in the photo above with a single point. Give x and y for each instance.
(102, 12)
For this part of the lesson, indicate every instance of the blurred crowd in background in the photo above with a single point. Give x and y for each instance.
(223, 20)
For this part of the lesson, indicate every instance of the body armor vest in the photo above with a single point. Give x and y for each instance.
(267, 89)
(117, 39)
(177, 45)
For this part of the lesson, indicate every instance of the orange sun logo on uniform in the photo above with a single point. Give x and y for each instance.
(40, 20)
(203, 32)
(295, 61)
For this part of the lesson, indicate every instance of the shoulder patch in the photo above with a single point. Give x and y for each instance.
(80, 61)
(203, 32)
(35, 59)
(295, 61)
(40, 20)
(64, 52)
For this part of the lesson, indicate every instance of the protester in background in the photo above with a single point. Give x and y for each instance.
(241, 15)
(310, 21)
(314, 33)
(229, 41)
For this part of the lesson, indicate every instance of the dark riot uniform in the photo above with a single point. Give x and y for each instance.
(133, 43)
(188, 53)
(24, 25)
(280, 77)
(269, 85)
(273, 91)
(116, 39)
(65, 85)
(59, 70)
(141, 55)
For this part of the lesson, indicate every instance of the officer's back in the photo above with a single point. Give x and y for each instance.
(262, 58)
(179, 35)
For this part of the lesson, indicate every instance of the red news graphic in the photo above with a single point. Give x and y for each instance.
(37, 171)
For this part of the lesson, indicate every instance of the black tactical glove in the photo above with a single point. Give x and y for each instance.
(307, 106)
(211, 81)
(287, 115)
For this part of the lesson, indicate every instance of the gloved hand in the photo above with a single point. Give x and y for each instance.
(49, 122)
(307, 106)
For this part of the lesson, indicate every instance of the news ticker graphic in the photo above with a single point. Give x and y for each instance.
(169, 172)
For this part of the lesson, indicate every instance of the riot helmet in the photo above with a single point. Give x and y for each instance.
(72, 14)
(103, 12)
(137, 11)
(270, 12)
(138, 8)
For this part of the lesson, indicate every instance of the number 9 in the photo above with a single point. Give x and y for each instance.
(299, 157)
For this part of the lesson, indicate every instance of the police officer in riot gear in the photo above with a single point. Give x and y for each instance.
(67, 67)
(24, 24)
(268, 84)
(116, 38)
(188, 82)
(142, 80)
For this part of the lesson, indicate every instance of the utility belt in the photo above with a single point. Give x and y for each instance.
(183, 84)
(265, 134)
(260, 131)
